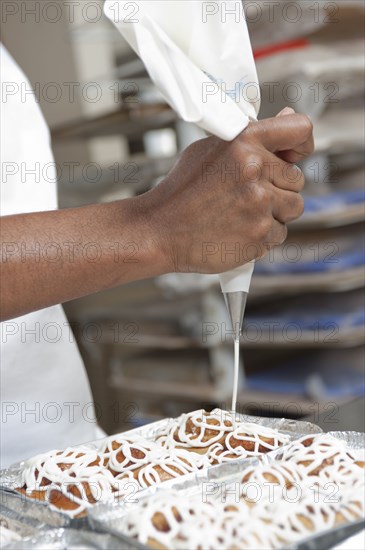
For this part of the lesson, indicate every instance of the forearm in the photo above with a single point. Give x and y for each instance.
(52, 257)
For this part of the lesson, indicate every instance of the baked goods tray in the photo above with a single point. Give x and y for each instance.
(22, 507)
(66, 539)
(210, 482)
(26, 525)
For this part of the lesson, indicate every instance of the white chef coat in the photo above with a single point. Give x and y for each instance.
(46, 401)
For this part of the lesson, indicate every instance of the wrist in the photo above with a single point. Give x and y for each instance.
(145, 249)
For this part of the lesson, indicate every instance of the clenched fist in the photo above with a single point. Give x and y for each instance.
(225, 203)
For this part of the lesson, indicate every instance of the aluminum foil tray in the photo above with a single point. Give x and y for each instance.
(106, 517)
(70, 539)
(10, 477)
(24, 506)
(330, 538)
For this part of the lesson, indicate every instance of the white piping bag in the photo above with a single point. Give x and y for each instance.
(199, 56)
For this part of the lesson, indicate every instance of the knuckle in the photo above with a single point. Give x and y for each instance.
(253, 168)
(306, 124)
(251, 161)
(260, 196)
(264, 227)
(254, 158)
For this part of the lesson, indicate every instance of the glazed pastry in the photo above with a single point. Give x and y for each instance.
(168, 520)
(221, 438)
(174, 521)
(199, 430)
(121, 454)
(247, 440)
(76, 478)
(164, 465)
(70, 480)
(320, 452)
(295, 498)
(170, 464)
(284, 475)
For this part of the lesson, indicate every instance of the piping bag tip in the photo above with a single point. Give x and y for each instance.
(236, 304)
(235, 285)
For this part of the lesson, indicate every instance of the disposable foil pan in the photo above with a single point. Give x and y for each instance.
(106, 517)
(24, 505)
(329, 538)
(70, 539)
(10, 477)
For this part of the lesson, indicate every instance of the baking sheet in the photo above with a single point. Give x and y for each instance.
(106, 517)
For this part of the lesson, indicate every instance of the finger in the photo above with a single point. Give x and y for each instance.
(287, 206)
(282, 174)
(291, 135)
(276, 235)
(287, 155)
(293, 156)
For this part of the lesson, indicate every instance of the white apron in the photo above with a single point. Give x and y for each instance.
(45, 396)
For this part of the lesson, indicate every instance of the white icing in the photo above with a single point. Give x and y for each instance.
(128, 449)
(326, 453)
(218, 422)
(292, 506)
(215, 432)
(190, 443)
(236, 369)
(248, 434)
(78, 472)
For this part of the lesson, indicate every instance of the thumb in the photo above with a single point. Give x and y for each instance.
(289, 134)
(286, 111)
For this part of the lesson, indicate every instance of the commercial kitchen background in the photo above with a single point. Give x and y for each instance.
(159, 347)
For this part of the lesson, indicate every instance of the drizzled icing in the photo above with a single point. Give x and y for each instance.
(215, 434)
(324, 455)
(289, 505)
(191, 442)
(122, 454)
(71, 471)
(170, 465)
(175, 521)
(164, 465)
(280, 474)
(236, 370)
(170, 520)
(199, 429)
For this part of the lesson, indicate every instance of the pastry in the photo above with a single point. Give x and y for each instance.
(315, 483)
(221, 437)
(76, 478)
(70, 480)
(121, 454)
(319, 453)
